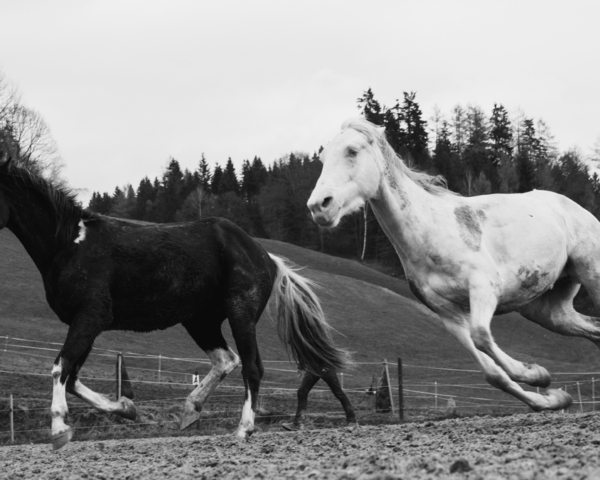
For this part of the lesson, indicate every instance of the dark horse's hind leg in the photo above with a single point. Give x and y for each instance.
(243, 315)
(224, 360)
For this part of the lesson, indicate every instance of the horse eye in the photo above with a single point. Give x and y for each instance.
(352, 152)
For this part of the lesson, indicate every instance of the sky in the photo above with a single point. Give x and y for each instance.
(126, 85)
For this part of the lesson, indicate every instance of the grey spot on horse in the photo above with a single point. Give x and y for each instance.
(391, 178)
(436, 259)
(481, 215)
(532, 278)
(468, 226)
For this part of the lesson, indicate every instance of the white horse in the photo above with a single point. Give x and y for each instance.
(468, 258)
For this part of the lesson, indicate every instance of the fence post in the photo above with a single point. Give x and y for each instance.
(593, 396)
(119, 363)
(400, 391)
(389, 381)
(12, 420)
(580, 402)
(159, 366)
(5, 343)
(436, 395)
(342, 380)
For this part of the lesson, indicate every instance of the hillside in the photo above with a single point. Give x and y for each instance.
(375, 315)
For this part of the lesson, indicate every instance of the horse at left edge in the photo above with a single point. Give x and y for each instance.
(102, 273)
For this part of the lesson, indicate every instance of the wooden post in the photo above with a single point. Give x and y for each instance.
(593, 395)
(580, 402)
(342, 380)
(159, 366)
(5, 343)
(119, 366)
(12, 420)
(389, 382)
(400, 391)
(376, 382)
(436, 395)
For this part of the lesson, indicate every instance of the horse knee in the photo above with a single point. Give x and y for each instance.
(482, 338)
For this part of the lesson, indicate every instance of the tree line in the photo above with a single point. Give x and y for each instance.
(477, 152)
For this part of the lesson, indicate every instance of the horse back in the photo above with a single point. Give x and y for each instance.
(147, 277)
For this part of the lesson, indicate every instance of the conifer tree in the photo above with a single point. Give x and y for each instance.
(229, 181)
(204, 175)
(371, 108)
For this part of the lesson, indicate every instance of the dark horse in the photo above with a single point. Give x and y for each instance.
(101, 273)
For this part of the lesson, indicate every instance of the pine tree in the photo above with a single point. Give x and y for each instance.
(371, 108)
(169, 198)
(215, 184)
(229, 181)
(204, 175)
(416, 138)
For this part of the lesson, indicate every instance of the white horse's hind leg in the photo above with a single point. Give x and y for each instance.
(554, 311)
(483, 303)
(61, 432)
(224, 362)
(551, 399)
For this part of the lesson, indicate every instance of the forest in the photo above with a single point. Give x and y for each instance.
(477, 152)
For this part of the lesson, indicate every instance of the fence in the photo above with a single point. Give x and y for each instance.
(162, 383)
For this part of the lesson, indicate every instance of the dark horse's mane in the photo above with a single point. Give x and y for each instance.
(60, 200)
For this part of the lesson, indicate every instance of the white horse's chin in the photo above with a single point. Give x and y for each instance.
(326, 221)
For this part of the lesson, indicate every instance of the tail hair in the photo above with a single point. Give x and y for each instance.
(301, 322)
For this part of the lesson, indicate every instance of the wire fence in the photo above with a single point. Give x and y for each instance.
(162, 383)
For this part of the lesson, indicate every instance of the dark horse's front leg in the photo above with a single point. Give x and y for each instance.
(78, 345)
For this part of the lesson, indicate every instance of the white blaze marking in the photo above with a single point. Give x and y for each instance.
(81, 236)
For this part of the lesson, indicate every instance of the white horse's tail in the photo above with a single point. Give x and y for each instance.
(301, 322)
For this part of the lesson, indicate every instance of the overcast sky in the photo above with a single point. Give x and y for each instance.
(125, 85)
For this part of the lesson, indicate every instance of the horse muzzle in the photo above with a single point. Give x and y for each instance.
(325, 212)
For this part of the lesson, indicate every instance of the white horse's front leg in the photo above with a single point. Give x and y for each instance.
(61, 432)
(483, 303)
(551, 399)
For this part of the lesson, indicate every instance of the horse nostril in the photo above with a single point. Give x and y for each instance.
(326, 202)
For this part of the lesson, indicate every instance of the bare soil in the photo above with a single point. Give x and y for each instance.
(529, 446)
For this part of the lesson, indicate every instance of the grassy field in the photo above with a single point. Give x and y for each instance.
(375, 315)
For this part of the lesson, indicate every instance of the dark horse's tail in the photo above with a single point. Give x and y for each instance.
(301, 323)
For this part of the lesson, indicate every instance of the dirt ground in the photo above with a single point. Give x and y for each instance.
(532, 446)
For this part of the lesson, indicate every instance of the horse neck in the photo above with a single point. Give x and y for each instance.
(404, 211)
(35, 225)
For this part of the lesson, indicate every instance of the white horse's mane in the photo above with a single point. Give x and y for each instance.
(435, 184)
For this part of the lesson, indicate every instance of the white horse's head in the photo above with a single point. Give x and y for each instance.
(351, 172)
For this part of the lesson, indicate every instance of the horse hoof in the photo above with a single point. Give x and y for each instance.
(541, 378)
(557, 400)
(129, 412)
(292, 427)
(352, 426)
(243, 435)
(188, 418)
(61, 439)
